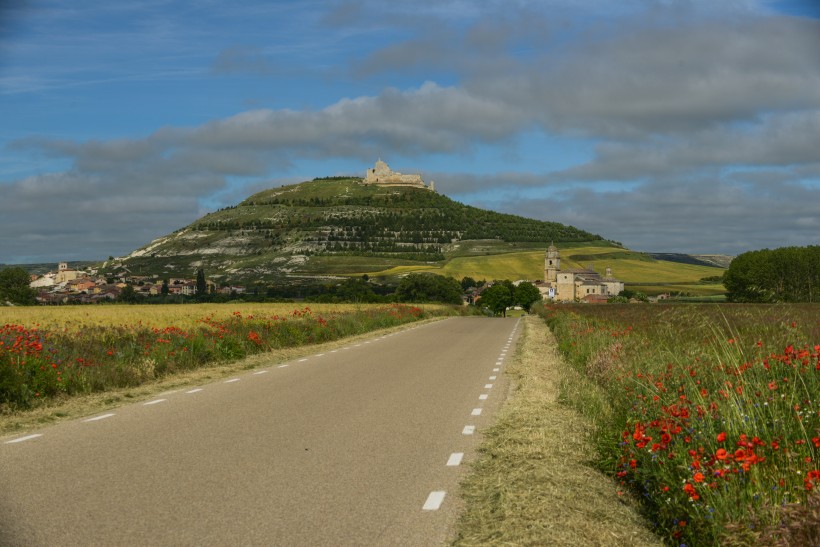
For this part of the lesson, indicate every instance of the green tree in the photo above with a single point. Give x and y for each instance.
(128, 295)
(165, 288)
(15, 289)
(468, 282)
(526, 294)
(201, 285)
(428, 288)
(497, 299)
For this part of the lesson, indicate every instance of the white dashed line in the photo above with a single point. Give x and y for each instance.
(282, 366)
(258, 372)
(434, 500)
(195, 390)
(455, 459)
(468, 430)
(96, 418)
(301, 360)
(334, 351)
(496, 370)
(488, 386)
(483, 397)
(26, 438)
(154, 402)
(493, 377)
(232, 380)
(320, 355)
(476, 412)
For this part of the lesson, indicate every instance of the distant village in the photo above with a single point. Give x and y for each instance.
(70, 286)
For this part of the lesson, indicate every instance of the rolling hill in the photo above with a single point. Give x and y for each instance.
(337, 227)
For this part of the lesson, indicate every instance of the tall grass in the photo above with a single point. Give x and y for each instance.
(714, 413)
(38, 364)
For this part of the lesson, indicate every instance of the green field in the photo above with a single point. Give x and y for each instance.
(638, 271)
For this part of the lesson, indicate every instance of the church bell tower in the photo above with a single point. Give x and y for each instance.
(552, 263)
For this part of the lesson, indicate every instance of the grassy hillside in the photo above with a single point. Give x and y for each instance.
(338, 227)
(639, 271)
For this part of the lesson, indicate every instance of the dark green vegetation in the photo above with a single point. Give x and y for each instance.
(788, 274)
(14, 287)
(333, 227)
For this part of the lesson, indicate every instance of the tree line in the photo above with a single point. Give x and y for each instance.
(787, 274)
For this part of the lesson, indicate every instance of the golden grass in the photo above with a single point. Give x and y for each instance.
(533, 484)
(160, 316)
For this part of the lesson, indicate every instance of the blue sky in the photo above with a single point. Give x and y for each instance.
(685, 126)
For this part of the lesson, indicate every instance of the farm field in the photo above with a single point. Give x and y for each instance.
(159, 316)
(49, 353)
(638, 271)
(708, 414)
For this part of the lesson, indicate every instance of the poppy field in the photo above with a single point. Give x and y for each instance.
(709, 415)
(53, 360)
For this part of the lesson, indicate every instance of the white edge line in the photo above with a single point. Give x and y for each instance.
(26, 438)
(232, 380)
(96, 418)
(155, 401)
(195, 390)
(434, 500)
(455, 459)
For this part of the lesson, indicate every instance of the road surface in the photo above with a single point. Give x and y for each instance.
(359, 445)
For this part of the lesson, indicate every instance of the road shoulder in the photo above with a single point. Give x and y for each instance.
(532, 483)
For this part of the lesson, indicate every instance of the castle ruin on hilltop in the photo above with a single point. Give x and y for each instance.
(382, 175)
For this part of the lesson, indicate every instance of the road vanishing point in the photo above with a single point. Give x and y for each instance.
(364, 444)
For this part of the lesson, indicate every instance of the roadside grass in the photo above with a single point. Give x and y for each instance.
(534, 482)
(709, 414)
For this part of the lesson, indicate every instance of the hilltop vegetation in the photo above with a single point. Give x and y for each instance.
(297, 237)
(290, 233)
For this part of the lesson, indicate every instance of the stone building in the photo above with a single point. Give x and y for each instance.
(382, 175)
(571, 285)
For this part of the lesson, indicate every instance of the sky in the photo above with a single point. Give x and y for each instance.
(688, 126)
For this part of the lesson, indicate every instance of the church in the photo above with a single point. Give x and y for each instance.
(585, 285)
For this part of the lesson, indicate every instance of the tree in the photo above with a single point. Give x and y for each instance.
(128, 295)
(165, 288)
(15, 289)
(428, 288)
(201, 285)
(526, 294)
(497, 299)
(787, 274)
(467, 283)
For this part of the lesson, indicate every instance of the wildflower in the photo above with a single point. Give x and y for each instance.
(721, 436)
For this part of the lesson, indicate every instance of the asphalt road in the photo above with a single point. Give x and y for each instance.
(355, 446)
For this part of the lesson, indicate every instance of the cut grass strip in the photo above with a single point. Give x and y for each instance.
(532, 483)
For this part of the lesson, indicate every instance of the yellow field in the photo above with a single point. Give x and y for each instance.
(178, 315)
